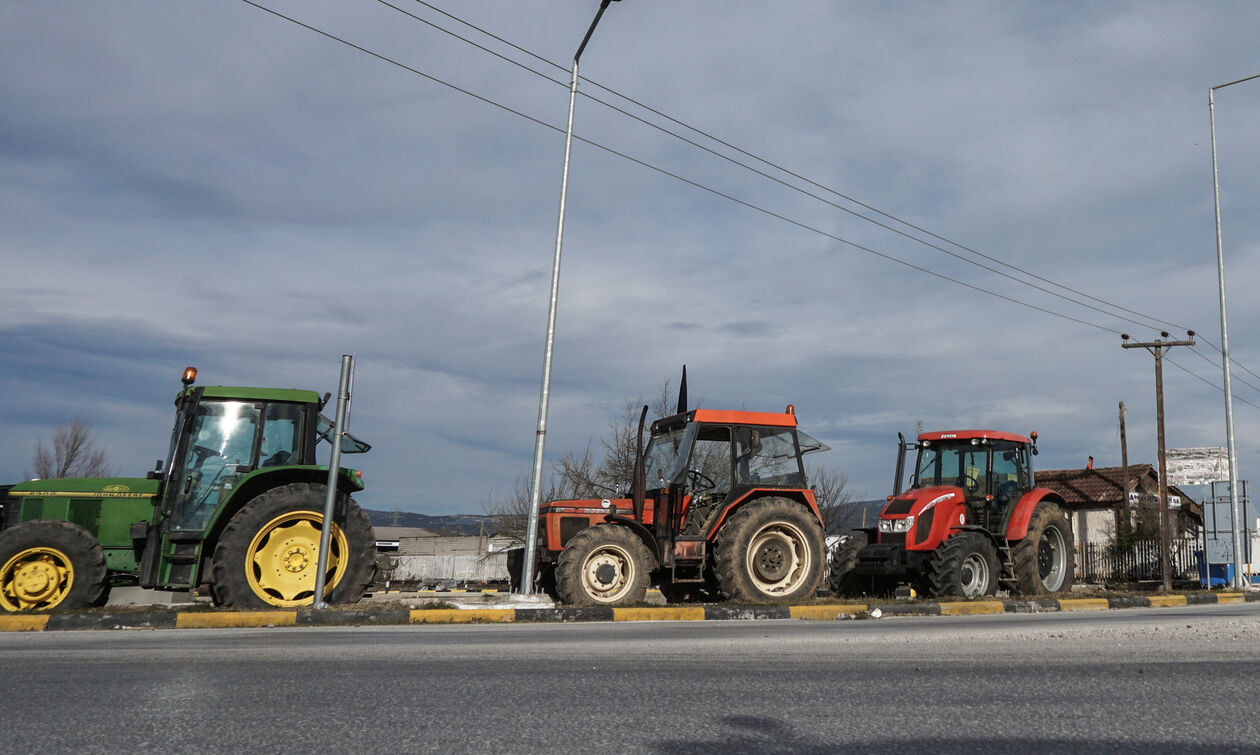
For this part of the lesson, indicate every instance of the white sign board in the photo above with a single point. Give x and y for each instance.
(1196, 466)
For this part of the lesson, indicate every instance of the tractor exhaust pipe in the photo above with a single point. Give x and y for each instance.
(639, 484)
(901, 464)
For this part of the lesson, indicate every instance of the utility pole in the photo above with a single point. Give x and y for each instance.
(1157, 348)
(1122, 514)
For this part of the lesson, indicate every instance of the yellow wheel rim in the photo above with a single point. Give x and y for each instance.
(35, 578)
(282, 559)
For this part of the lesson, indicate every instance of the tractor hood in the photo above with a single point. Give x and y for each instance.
(622, 506)
(87, 487)
(914, 511)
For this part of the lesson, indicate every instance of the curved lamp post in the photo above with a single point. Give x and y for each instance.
(535, 487)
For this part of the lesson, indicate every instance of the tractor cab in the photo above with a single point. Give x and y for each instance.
(990, 469)
(699, 460)
(222, 434)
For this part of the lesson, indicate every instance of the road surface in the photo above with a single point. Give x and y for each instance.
(1142, 680)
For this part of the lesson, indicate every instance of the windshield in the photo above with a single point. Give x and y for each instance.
(349, 443)
(960, 464)
(665, 458)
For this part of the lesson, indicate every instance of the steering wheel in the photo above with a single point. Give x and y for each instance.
(971, 483)
(697, 477)
(202, 454)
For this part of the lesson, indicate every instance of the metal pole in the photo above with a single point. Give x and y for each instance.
(540, 436)
(1229, 393)
(334, 468)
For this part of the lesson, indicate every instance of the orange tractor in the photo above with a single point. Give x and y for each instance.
(718, 507)
(971, 519)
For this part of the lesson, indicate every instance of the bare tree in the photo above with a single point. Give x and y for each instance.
(581, 474)
(831, 490)
(74, 453)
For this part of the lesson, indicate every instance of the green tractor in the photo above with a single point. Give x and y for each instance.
(236, 509)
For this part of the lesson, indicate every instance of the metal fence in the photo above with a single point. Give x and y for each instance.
(1101, 562)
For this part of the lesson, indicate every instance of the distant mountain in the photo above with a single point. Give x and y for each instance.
(463, 524)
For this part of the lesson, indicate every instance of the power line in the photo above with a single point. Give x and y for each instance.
(677, 177)
(757, 208)
(1202, 379)
(805, 179)
(793, 174)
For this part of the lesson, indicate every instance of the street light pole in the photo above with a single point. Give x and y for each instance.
(540, 436)
(1235, 515)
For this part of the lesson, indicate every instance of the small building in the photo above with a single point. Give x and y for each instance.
(388, 539)
(431, 560)
(1101, 504)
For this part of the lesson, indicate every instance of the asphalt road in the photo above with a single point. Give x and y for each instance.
(1162, 680)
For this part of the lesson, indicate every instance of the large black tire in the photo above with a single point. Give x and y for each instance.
(50, 564)
(770, 550)
(840, 565)
(515, 567)
(1044, 562)
(965, 565)
(268, 554)
(604, 565)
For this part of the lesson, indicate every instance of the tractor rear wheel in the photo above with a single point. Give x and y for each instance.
(843, 558)
(604, 565)
(771, 549)
(50, 564)
(1043, 559)
(268, 554)
(965, 565)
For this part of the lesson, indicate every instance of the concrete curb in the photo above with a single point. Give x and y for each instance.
(395, 616)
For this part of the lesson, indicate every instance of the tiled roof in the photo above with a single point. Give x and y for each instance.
(1099, 486)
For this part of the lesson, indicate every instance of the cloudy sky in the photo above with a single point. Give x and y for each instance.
(211, 184)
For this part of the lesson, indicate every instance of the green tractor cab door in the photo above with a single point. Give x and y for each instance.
(217, 442)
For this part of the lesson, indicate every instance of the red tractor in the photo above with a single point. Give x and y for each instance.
(718, 507)
(972, 518)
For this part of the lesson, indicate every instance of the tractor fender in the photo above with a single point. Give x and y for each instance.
(1017, 528)
(803, 497)
(641, 532)
(260, 481)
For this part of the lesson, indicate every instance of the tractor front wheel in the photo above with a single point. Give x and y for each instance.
(965, 565)
(842, 560)
(771, 549)
(1043, 559)
(604, 565)
(268, 554)
(50, 564)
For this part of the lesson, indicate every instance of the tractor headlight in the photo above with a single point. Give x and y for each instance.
(896, 525)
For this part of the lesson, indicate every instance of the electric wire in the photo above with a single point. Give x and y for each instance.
(765, 211)
(1208, 382)
(800, 177)
(1217, 365)
(677, 177)
(791, 173)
